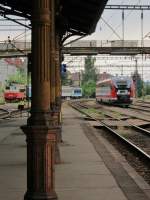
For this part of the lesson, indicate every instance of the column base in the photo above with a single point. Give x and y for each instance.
(41, 141)
(40, 196)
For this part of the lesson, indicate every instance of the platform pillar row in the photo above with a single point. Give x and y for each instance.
(54, 79)
(42, 126)
(58, 82)
(52, 56)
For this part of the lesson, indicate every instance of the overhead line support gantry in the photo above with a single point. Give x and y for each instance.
(128, 7)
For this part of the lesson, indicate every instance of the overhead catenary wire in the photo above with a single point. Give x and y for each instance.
(21, 34)
(113, 13)
(127, 65)
(125, 17)
(16, 23)
(111, 28)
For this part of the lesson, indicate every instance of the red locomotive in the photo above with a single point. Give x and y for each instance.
(14, 93)
(116, 90)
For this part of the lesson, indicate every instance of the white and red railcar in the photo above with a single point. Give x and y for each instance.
(14, 92)
(116, 90)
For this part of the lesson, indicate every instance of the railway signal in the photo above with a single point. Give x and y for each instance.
(63, 69)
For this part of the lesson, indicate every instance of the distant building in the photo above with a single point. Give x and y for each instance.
(6, 70)
(103, 76)
(76, 78)
(17, 62)
(8, 67)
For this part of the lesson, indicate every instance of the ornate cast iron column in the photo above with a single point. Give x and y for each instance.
(41, 126)
(57, 102)
(53, 80)
(58, 35)
(58, 75)
(52, 66)
(58, 82)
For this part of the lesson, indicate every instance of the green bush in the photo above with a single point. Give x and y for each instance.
(2, 100)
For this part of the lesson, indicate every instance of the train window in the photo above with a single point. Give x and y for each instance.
(22, 90)
(7, 88)
(105, 90)
(77, 91)
(121, 82)
(122, 87)
(13, 88)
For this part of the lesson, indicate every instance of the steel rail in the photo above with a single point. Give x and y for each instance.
(144, 105)
(4, 113)
(18, 112)
(134, 126)
(136, 107)
(144, 131)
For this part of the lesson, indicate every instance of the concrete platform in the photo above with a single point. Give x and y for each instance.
(86, 172)
(12, 160)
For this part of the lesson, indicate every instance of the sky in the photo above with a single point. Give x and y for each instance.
(14, 30)
(132, 23)
(132, 31)
(102, 32)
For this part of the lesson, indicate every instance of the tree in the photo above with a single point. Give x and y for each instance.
(2, 100)
(89, 88)
(147, 88)
(90, 71)
(20, 77)
(64, 79)
(138, 83)
(89, 77)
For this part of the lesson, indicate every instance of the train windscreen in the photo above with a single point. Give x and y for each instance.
(123, 84)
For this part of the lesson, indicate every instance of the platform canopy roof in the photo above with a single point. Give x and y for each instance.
(76, 16)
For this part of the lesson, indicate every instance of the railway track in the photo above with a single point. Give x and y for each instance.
(6, 114)
(143, 108)
(18, 113)
(143, 102)
(134, 137)
(132, 113)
